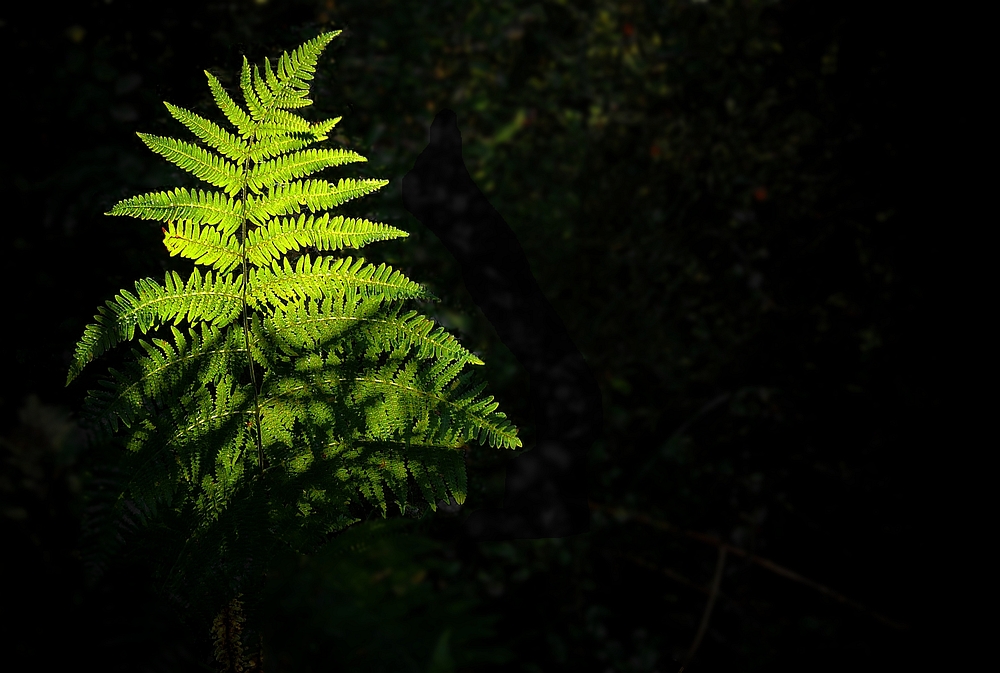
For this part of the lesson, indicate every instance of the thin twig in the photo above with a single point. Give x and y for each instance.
(753, 558)
(669, 572)
(720, 564)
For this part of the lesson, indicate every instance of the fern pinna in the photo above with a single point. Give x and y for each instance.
(290, 382)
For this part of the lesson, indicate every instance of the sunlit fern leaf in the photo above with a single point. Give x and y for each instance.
(308, 325)
(320, 129)
(280, 145)
(201, 163)
(296, 165)
(325, 276)
(233, 112)
(180, 205)
(316, 195)
(211, 133)
(206, 245)
(324, 233)
(215, 300)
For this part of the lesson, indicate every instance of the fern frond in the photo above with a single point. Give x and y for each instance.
(319, 130)
(263, 90)
(211, 133)
(232, 406)
(277, 145)
(297, 68)
(234, 113)
(274, 86)
(214, 300)
(181, 205)
(357, 395)
(276, 121)
(203, 164)
(316, 324)
(254, 104)
(198, 443)
(373, 465)
(168, 370)
(316, 195)
(480, 417)
(394, 397)
(297, 165)
(271, 146)
(395, 407)
(288, 98)
(205, 245)
(266, 244)
(324, 276)
(438, 474)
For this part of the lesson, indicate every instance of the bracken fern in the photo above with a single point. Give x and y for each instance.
(284, 383)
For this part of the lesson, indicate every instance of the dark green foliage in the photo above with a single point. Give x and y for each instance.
(379, 597)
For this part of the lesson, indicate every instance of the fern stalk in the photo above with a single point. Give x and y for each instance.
(246, 329)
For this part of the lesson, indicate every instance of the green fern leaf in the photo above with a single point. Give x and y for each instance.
(324, 276)
(210, 133)
(234, 113)
(316, 195)
(181, 205)
(262, 90)
(254, 104)
(296, 69)
(277, 145)
(280, 236)
(200, 299)
(278, 122)
(211, 168)
(149, 382)
(206, 245)
(297, 165)
(311, 324)
(319, 130)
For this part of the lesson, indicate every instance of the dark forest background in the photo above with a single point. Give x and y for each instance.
(734, 208)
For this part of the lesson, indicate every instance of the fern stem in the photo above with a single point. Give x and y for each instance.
(246, 326)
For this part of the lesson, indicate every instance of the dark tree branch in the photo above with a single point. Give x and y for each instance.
(712, 595)
(624, 514)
